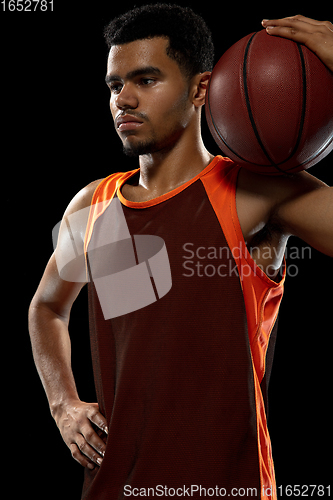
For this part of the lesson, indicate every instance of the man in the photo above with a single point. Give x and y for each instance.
(180, 381)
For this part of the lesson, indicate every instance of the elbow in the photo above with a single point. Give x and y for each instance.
(41, 314)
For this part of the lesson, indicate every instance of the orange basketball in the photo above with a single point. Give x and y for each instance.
(269, 105)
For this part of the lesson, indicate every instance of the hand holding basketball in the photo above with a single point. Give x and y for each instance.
(316, 35)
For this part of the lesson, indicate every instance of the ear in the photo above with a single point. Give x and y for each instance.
(200, 85)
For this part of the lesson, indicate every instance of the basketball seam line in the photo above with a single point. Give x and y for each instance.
(302, 120)
(217, 130)
(301, 125)
(248, 105)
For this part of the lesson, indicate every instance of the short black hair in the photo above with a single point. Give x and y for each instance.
(190, 39)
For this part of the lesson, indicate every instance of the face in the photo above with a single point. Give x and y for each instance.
(149, 102)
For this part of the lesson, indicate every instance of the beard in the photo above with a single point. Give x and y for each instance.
(152, 144)
(141, 148)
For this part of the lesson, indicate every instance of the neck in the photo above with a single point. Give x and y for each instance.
(167, 169)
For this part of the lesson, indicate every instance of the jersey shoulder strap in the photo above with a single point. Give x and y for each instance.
(102, 198)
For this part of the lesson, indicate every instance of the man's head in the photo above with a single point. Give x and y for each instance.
(190, 41)
(159, 63)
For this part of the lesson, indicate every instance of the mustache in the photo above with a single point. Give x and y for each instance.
(135, 114)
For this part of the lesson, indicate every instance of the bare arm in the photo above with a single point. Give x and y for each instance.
(49, 315)
(48, 326)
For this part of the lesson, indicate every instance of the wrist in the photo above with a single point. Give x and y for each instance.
(58, 406)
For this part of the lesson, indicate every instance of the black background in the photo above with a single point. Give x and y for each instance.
(57, 136)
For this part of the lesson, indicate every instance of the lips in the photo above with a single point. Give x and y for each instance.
(128, 122)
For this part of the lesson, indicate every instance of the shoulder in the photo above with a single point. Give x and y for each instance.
(75, 218)
(83, 198)
(100, 188)
(68, 236)
(77, 212)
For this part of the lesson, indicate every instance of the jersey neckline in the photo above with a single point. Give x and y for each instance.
(165, 196)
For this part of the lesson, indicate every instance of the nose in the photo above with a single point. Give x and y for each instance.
(127, 98)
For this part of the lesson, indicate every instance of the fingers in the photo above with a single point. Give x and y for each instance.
(298, 18)
(316, 35)
(80, 457)
(292, 28)
(94, 447)
(300, 21)
(297, 28)
(98, 419)
(88, 449)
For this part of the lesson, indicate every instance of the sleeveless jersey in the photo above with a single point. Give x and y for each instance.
(182, 380)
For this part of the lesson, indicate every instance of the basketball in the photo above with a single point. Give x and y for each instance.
(269, 105)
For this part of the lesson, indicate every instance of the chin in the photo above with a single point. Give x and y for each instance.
(138, 148)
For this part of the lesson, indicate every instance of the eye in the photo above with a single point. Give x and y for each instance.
(115, 87)
(147, 81)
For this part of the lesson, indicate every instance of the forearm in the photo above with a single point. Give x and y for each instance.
(52, 354)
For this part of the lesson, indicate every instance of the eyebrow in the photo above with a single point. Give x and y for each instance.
(146, 70)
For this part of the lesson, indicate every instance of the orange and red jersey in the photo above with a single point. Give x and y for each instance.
(182, 380)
